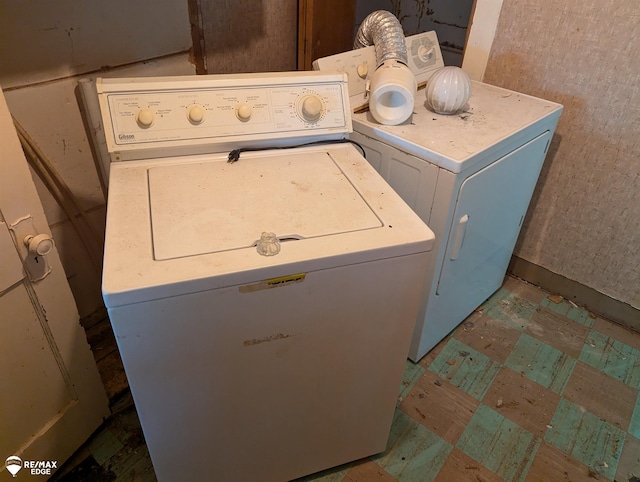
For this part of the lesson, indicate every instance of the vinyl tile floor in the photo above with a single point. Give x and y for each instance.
(529, 387)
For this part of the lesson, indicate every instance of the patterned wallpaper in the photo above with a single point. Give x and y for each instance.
(584, 221)
(249, 35)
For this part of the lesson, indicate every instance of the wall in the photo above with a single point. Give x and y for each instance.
(480, 34)
(246, 35)
(52, 39)
(584, 222)
(43, 46)
(448, 19)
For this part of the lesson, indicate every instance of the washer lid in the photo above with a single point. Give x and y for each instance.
(160, 242)
(210, 207)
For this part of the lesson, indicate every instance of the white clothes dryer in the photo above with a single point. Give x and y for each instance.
(263, 308)
(470, 176)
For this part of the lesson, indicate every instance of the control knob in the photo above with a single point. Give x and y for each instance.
(196, 114)
(244, 112)
(425, 53)
(145, 117)
(363, 70)
(310, 108)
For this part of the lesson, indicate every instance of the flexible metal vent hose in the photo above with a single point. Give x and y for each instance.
(392, 87)
(383, 30)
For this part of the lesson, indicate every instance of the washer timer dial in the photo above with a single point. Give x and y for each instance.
(310, 107)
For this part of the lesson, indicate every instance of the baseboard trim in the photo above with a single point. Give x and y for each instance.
(580, 294)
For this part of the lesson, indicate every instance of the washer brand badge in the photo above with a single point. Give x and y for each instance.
(273, 283)
(126, 137)
(35, 467)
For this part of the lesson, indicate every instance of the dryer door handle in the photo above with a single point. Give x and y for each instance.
(458, 239)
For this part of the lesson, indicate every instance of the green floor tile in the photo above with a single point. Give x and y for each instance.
(104, 446)
(634, 426)
(613, 358)
(586, 437)
(507, 306)
(499, 444)
(414, 454)
(128, 462)
(541, 363)
(412, 373)
(581, 316)
(134, 466)
(561, 308)
(465, 368)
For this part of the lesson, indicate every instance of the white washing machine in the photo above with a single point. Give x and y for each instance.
(254, 357)
(469, 176)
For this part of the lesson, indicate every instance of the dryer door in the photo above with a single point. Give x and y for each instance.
(489, 212)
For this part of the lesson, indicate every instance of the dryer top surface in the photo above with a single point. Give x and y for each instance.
(492, 116)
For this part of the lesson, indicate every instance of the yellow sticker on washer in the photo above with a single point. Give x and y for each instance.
(273, 283)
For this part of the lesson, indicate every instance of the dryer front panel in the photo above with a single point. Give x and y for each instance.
(489, 212)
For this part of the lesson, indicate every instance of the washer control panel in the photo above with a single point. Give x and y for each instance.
(222, 109)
